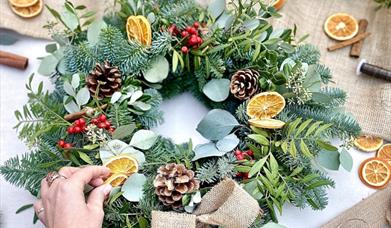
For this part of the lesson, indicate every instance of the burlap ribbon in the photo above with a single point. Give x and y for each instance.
(226, 204)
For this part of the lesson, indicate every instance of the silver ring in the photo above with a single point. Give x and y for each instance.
(40, 210)
(52, 176)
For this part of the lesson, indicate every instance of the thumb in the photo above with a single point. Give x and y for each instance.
(98, 196)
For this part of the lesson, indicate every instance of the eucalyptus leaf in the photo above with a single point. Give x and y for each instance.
(251, 24)
(346, 160)
(75, 81)
(329, 159)
(276, 33)
(124, 131)
(143, 139)
(217, 124)
(48, 65)
(69, 89)
(158, 70)
(227, 143)
(83, 96)
(133, 187)
(216, 8)
(151, 18)
(217, 89)
(7, 39)
(135, 96)
(312, 79)
(94, 30)
(71, 107)
(142, 105)
(225, 21)
(207, 150)
(115, 97)
(50, 48)
(70, 20)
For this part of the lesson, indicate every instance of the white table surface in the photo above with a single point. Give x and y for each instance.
(182, 115)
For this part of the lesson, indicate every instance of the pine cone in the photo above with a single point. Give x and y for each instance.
(172, 182)
(244, 83)
(105, 78)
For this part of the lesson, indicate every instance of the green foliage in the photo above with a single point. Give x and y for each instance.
(344, 125)
(216, 170)
(153, 117)
(42, 114)
(383, 4)
(28, 170)
(324, 72)
(307, 53)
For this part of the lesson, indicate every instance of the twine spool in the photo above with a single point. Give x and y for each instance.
(373, 70)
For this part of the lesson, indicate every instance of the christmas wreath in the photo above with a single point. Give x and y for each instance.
(272, 112)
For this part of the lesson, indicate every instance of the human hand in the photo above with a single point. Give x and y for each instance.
(64, 204)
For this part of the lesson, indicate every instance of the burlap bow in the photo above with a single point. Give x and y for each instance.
(226, 204)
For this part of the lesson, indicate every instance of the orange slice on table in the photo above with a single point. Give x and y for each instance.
(375, 173)
(278, 4)
(368, 143)
(265, 105)
(341, 26)
(28, 12)
(267, 123)
(385, 153)
(122, 164)
(23, 3)
(139, 28)
(116, 179)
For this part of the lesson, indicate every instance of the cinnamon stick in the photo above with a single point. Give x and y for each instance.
(356, 47)
(13, 60)
(349, 42)
(78, 115)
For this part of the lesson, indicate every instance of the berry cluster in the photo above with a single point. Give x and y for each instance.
(102, 122)
(190, 36)
(78, 126)
(62, 144)
(244, 155)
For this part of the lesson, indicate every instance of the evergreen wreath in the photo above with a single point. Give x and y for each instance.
(110, 79)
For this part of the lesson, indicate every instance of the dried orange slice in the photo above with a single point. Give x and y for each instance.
(278, 4)
(368, 143)
(375, 173)
(116, 179)
(123, 164)
(267, 123)
(265, 105)
(138, 27)
(23, 3)
(341, 26)
(28, 12)
(385, 153)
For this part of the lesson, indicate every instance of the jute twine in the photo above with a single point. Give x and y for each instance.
(219, 206)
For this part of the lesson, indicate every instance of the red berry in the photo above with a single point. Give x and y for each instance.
(76, 123)
(95, 121)
(101, 125)
(240, 157)
(239, 174)
(77, 129)
(102, 118)
(71, 130)
(185, 50)
(172, 29)
(61, 143)
(67, 146)
(199, 40)
(237, 152)
(188, 29)
(192, 41)
(111, 129)
(196, 24)
(250, 153)
(193, 31)
(82, 121)
(245, 176)
(184, 33)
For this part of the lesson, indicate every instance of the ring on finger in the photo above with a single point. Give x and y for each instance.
(40, 210)
(52, 176)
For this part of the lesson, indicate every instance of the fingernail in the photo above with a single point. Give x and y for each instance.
(107, 189)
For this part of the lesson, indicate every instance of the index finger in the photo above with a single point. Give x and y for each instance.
(86, 174)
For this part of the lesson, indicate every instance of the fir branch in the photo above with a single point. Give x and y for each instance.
(80, 58)
(241, 112)
(153, 117)
(307, 53)
(120, 115)
(337, 97)
(216, 170)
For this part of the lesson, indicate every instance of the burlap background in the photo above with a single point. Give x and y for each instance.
(369, 99)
